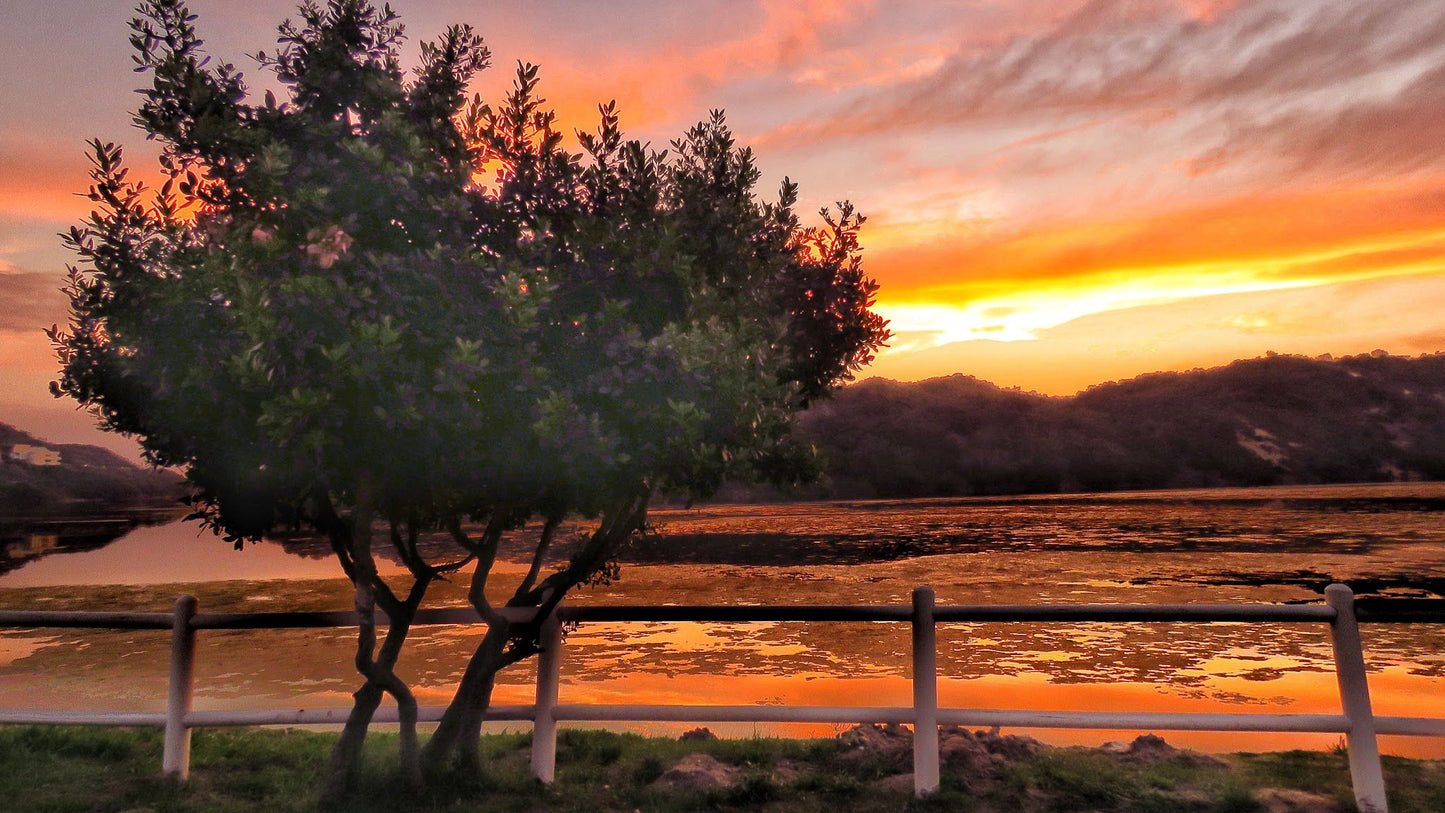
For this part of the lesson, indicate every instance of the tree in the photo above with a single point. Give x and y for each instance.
(379, 303)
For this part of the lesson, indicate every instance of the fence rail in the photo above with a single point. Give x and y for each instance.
(1341, 611)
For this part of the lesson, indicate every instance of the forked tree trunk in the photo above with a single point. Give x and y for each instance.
(346, 755)
(455, 744)
(352, 544)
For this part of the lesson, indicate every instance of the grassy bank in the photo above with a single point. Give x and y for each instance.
(73, 769)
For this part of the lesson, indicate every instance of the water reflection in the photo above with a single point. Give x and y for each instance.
(25, 542)
(1272, 545)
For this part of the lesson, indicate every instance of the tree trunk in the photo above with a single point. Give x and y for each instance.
(353, 548)
(454, 744)
(341, 767)
(381, 680)
(406, 709)
(456, 741)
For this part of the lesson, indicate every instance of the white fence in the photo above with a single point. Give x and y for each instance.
(1358, 722)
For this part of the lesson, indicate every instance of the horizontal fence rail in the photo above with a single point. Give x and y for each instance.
(1341, 611)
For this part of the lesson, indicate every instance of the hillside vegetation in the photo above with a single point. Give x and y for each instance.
(1279, 420)
(88, 478)
(1268, 421)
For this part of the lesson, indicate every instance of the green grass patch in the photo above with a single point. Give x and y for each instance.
(61, 769)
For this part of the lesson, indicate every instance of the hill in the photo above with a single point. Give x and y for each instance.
(1278, 420)
(85, 479)
(1269, 421)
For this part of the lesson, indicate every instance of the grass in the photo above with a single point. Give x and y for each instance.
(57, 770)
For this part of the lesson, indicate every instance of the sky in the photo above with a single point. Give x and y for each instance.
(1059, 193)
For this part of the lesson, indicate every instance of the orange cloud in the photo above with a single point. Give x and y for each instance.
(45, 179)
(667, 84)
(40, 183)
(1299, 237)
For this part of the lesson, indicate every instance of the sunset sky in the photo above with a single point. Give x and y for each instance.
(1059, 193)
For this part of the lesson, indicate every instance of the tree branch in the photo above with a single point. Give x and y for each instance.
(486, 555)
(544, 541)
(628, 515)
(365, 575)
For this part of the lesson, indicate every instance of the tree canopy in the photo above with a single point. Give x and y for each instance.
(377, 300)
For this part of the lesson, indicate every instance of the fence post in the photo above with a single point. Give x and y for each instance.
(1366, 774)
(544, 726)
(176, 758)
(925, 693)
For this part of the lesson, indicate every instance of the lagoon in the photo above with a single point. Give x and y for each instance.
(1220, 545)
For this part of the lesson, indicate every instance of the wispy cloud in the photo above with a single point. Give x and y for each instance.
(29, 301)
(1123, 105)
(1114, 57)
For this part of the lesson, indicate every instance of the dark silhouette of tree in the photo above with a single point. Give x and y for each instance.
(378, 304)
(1277, 420)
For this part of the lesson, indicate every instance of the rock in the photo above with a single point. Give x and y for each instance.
(786, 772)
(1284, 800)
(1114, 748)
(961, 748)
(1190, 798)
(890, 744)
(1011, 747)
(958, 746)
(978, 751)
(982, 751)
(1152, 748)
(697, 735)
(1038, 798)
(696, 772)
(897, 783)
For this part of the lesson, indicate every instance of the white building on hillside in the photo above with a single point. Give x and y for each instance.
(34, 455)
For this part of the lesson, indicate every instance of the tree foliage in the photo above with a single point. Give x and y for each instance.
(377, 301)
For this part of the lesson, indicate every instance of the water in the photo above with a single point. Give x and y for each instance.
(1225, 545)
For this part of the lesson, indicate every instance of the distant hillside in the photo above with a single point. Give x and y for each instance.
(87, 478)
(1279, 420)
(1268, 421)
